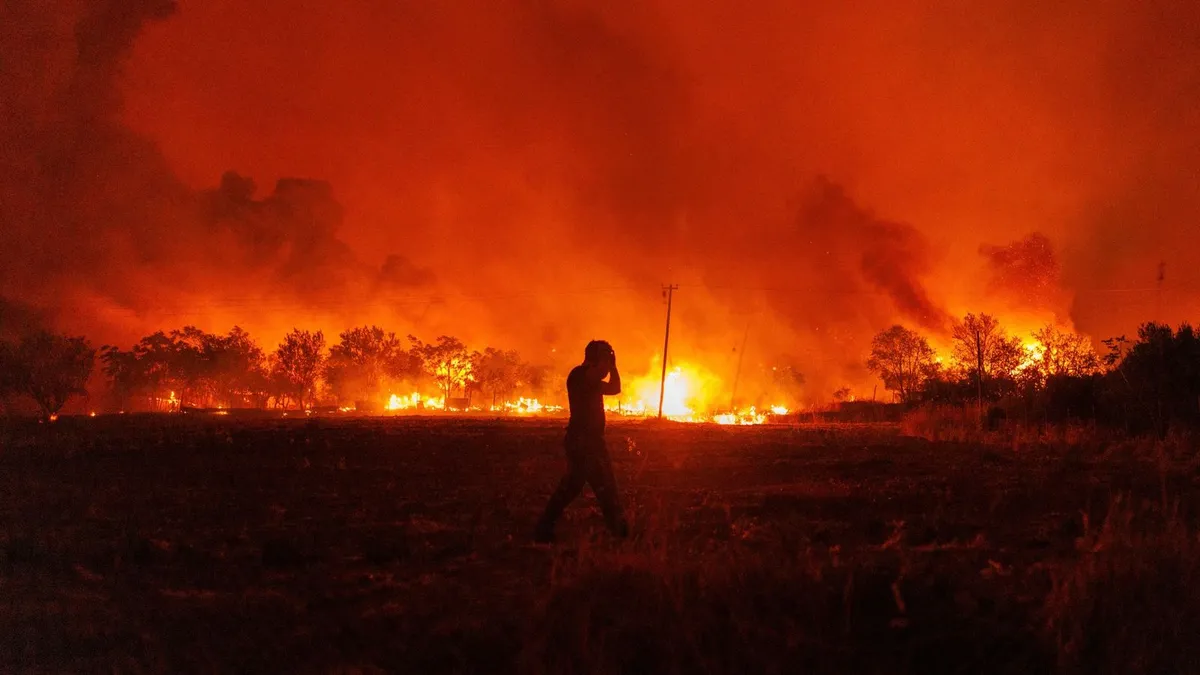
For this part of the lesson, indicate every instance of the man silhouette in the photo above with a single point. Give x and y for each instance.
(587, 453)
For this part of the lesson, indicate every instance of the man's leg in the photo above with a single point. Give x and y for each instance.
(568, 489)
(604, 484)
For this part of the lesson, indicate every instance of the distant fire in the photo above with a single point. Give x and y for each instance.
(1034, 352)
(527, 406)
(689, 394)
(749, 416)
(414, 401)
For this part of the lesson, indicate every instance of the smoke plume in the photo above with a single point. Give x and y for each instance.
(526, 173)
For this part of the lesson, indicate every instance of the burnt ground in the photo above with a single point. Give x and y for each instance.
(168, 544)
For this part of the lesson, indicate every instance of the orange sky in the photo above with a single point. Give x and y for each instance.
(550, 163)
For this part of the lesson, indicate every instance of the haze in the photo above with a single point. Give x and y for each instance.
(527, 174)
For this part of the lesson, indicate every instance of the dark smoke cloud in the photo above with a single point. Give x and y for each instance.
(553, 162)
(890, 257)
(17, 319)
(105, 232)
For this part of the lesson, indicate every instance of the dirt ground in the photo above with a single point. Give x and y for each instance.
(169, 544)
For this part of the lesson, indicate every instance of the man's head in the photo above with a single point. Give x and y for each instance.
(598, 352)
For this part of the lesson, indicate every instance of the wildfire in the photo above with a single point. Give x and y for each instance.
(748, 416)
(1034, 352)
(414, 401)
(680, 393)
(527, 406)
(687, 396)
(677, 391)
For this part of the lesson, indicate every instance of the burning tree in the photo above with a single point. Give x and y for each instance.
(186, 364)
(234, 366)
(121, 369)
(298, 362)
(158, 369)
(203, 368)
(50, 369)
(498, 372)
(984, 351)
(533, 378)
(1062, 353)
(358, 364)
(448, 361)
(148, 370)
(903, 359)
(223, 369)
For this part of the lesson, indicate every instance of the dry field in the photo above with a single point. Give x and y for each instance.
(175, 544)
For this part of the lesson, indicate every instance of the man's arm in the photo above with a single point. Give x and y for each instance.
(613, 386)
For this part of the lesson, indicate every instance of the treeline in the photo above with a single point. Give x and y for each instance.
(1150, 384)
(190, 367)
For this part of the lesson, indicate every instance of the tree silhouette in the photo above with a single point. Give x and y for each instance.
(498, 372)
(984, 351)
(1061, 353)
(201, 368)
(158, 370)
(358, 363)
(448, 361)
(298, 363)
(123, 372)
(51, 368)
(150, 369)
(235, 368)
(902, 359)
(1159, 378)
(533, 379)
(186, 365)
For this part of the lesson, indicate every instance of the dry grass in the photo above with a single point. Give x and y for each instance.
(963, 424)
(1131, 602)
(400, 546)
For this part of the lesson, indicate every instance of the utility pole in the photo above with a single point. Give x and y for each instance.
(668, 291)
(979, 371)
(738, 375)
